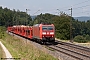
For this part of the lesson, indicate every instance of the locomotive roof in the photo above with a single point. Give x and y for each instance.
(21, 26)
(42, 24)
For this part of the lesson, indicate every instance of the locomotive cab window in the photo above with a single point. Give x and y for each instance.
(47, 28)
(50, 27)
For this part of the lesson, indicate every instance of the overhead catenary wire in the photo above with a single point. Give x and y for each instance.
(82, 12)
(81, 2)
(82, 7)
(36, 12)
(65, 8)
(74, 7)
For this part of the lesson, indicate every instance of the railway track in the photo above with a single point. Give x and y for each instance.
(75, 46)
(75, 51)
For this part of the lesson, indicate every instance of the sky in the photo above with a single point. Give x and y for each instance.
(36, 7)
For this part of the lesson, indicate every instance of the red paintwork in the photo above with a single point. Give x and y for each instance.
(32, 31)
(25, 31)
(9, 29)
(37, 31)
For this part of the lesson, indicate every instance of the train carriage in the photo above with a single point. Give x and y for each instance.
(9, 29)
(28, 32)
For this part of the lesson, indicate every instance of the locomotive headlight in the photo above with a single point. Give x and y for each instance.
(51, 32)
(43, 32)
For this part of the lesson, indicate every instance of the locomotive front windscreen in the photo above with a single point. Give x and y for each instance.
(47, 27)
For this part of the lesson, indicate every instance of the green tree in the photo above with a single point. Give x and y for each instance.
(11, 17)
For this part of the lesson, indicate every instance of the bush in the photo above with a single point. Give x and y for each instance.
(80, 39)
(57, 35)
(88, 37)
(60, 36)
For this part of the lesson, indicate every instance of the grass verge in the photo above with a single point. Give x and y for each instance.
(19, 49)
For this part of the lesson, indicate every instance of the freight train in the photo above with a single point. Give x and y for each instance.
(40, 32)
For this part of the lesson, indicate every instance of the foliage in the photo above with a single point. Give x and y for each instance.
(11, 17)
(82, 29)
(2, 31)
(62, 25)
(87, 37)
(43, 18)
(80, 39)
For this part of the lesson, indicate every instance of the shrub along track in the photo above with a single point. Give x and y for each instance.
(75, 51)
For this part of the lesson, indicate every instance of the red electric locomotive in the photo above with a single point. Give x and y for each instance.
(44, 32)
